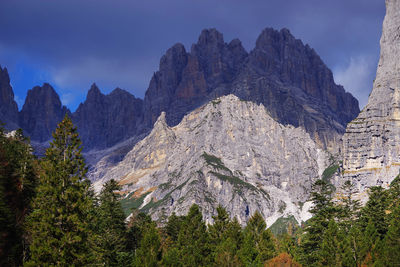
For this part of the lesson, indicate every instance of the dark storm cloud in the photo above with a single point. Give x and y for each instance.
(119, 43)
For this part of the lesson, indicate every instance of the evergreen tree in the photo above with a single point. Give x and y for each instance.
(174, 226)
(391, 250)
(193, 240)
(59, 223)
(17, 182)
(335, 248)
(258, 246)
(137, 225)
(375, 211)
(225, 239)
(323, 211)
(349, 210)
(110, 226)
(149, 252)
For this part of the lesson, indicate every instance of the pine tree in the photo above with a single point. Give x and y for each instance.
(110, 226)
(375, 211)
(193, 240)
(173, 226)
(349, 210)
(323, 211)
(59, 223)
(149, 252)
(258, 245)
(225, 238)
(391, 250)
(17, 184)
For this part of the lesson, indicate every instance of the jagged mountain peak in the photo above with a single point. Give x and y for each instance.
(210, 37)
(8, 106)
(41, 112)
(93, 91)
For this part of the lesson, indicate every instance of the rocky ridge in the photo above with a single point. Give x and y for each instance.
(282, 73)
(105, 120)
(371, 151)
(8, 107)
(41, 112)
(229, 152)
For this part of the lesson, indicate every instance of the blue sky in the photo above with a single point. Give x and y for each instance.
(119, 43)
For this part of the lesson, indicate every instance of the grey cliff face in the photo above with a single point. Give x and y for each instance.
(371, 150)
(41, 112)
(282, 73)
(105, 120)
(8, 107)
(296, 87)
(228, 152)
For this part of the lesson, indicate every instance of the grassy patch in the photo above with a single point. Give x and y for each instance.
(128, 203)
(154, 204)
(329, 172)
(215, 162)
(234, 180)
(281, 226)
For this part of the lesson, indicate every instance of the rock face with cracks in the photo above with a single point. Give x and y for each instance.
(371, 144)
(228, 152)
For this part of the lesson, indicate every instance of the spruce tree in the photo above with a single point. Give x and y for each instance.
(225, 238)
(391, 249)
(323, 211)
(59, 223)
(375, 211)
(258, 245)
(17, 184)
(193, 240)
(349, 210)
(149, 251)
(110, 226)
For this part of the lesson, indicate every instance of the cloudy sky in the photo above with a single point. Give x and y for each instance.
(73, 43)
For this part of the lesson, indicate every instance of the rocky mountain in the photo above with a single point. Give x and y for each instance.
(8, 107)
(371, 151)
(229, 152)
(105, 120)
(282, 73)
(296, 87)
(41, 112)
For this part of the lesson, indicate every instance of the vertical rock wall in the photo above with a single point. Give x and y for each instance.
(371, 144)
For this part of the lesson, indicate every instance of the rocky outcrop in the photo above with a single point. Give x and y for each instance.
(105, 120)
(296, 87)
(288, 77)
(228, 152)
(41, 112)
(185, 81)
(8, 107)
(371, 150)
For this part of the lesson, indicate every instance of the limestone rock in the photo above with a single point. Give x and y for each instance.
(41, 112)
(229, 152)
(371, 144)
(282, 73)
(105, 120)
(8, 107)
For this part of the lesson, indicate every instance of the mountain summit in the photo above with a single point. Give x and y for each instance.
(282, 73)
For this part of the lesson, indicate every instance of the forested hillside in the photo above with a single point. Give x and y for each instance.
(50, 217)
